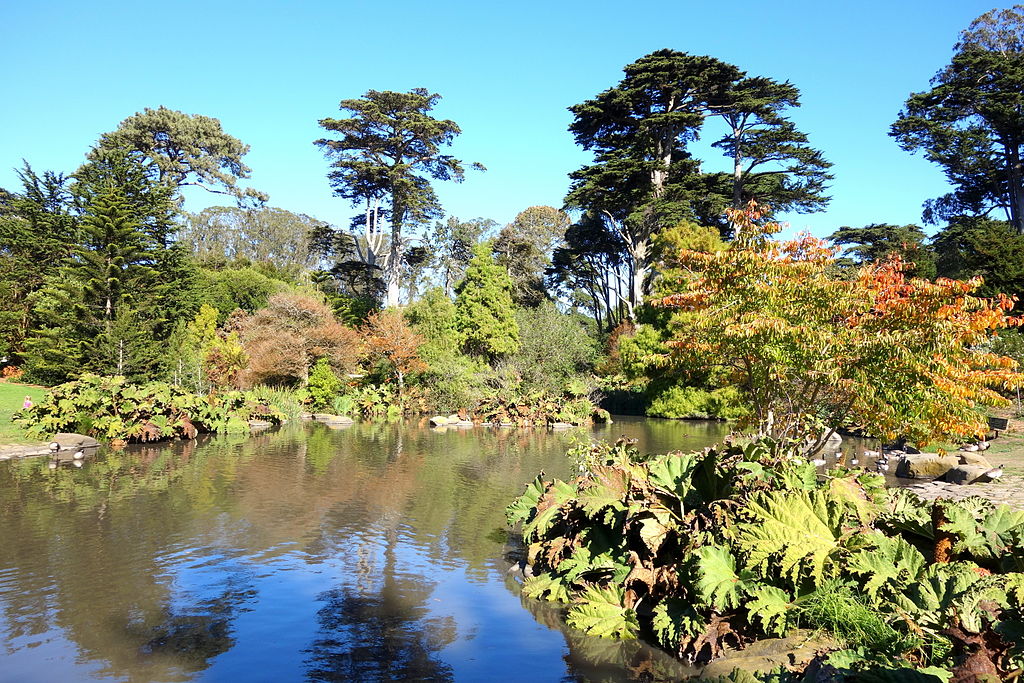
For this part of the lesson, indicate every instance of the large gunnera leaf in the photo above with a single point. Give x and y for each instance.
(888, 561)
(718, 584)
(599, 612)
(797, 531)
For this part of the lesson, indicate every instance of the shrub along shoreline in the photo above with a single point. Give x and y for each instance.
(708, 552)
(114, 409)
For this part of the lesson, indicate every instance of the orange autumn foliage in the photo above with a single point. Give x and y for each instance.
(902, 356)
(388, 337)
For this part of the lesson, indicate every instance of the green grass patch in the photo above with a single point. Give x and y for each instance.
(11, 397)
(836, 609)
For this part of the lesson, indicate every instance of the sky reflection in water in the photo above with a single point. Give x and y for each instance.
(369, 553)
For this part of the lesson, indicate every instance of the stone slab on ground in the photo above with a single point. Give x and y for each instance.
(967, 474)
(967, 458)
(70, 441)
(327, 418)
(925, 465)
(762, 656)
(23, 451)
(1008, 490)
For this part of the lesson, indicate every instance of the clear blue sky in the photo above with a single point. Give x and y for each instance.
(506, 71)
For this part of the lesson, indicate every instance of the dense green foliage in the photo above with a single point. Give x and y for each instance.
(484, 313)
(323, 385)
(524, 248)
(715, 549)
(554, 349)
(677, 401)
(113, 408)
(268, 235)
(119, 289)
(877, 242)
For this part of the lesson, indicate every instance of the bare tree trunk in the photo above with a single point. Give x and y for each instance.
(638, 277)
(393, 267)
(737, 181)
(1016, 190)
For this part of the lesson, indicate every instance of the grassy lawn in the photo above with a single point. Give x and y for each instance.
(11, 396)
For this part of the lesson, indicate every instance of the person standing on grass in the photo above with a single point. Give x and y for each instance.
(27, 403)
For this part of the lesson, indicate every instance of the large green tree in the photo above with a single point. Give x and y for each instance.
(644, 177)
(111, 285)
(772, 162)
(451, 243)
(180, 149)
(976, 246)
(971, 123)
(92, 313)
(388, 150)
(525, 247)
(638, 130)
(591, 271)
(38, 230)
(484, 313)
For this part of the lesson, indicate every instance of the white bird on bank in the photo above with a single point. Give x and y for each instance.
(79, 454)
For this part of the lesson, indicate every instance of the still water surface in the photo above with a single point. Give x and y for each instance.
(374, 552)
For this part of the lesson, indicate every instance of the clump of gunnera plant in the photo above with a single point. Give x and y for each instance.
(113, 408)
(709, 551)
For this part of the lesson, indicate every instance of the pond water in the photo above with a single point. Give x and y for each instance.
(375, 552)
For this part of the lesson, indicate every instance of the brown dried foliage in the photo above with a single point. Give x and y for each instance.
(284, 339)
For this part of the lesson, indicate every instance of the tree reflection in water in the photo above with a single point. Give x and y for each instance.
(381, 633)
(602, 659)
(190, 639)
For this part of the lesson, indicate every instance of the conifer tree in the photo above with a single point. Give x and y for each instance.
(484, 312)
(93, 310)
(112, 261)
(388, 151)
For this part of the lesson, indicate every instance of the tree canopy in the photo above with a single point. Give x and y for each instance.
(265, 235)
(388, 150)
(484, 313)
(899, 355)
(525, 247)
(878, 241)
(644, 177)
(970, 123)
(181, 149)
(772, 160)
